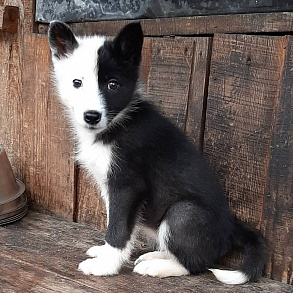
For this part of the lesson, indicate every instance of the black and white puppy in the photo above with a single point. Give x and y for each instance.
(148, 172)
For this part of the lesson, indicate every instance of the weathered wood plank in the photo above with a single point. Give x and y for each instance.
(242, 96)
(34, 280)
(41, 253)
(11, 64)
(11, 97)
(90, 206)
(48, 169)
(28, 10)
(244, 89)
(278, 205)
(237, 23)
(170, 70)
(145, 65)
(198, 86)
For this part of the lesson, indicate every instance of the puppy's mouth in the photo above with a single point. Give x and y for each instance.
(91, 127)
(94, 128)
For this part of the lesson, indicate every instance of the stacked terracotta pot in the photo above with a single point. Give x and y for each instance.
(13, 201)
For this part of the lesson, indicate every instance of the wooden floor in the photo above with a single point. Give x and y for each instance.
(40, 253)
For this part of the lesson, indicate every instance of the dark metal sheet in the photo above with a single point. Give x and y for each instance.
(94, 10)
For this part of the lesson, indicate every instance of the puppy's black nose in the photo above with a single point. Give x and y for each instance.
(92, 117)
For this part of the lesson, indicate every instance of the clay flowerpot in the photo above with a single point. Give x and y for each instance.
(13, 201)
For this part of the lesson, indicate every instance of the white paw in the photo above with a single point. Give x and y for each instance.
(97, 251)
(98, 267)
(146, 268)
(160, 268)
(152, 255)
(107, 260)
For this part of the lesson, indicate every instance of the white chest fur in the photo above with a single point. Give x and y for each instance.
(96, 158)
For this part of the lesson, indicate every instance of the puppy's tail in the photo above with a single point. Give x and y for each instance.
(255, 257)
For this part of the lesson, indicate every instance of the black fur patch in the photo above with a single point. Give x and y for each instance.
(118, 61)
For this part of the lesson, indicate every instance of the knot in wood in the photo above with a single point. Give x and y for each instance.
(248, 61)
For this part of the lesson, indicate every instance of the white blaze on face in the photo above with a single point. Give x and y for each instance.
(82, 64)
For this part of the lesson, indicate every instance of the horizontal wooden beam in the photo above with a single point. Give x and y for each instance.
(9, 16)
(281, 22)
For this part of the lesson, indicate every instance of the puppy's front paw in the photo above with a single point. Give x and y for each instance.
(98, 267)
(107, 260)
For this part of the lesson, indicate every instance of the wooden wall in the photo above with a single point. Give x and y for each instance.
(230, 93)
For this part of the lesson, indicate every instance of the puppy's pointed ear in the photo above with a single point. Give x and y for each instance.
(61, 39)
(128, 43)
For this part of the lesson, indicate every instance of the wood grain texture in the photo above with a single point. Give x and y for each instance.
(243, 92)
(170, 70)
(90, 206)
(233, 23)
(11, 98)
(34, 280)
(198, 86)
(48, 167)
(242, 97)
(29, 24)
(278, 205)
(145, 64)
(41, 253)
(11, 63)
(11, 80)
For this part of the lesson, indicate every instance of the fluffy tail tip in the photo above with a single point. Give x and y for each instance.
(230, 277)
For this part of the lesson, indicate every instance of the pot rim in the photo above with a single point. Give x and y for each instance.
(21, 189)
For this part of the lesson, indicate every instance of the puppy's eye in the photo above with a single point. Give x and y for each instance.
(113, 85)
(77, 83)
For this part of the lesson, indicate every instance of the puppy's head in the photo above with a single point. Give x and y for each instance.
(95, 76)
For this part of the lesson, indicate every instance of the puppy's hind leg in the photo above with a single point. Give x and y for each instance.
(160, 263)
(189, 235)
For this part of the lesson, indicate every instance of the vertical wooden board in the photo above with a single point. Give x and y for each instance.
(145, 65)
(90, 206)
(170, 71)
(48, 166)
(11, 64)
(29, 24)
(243, 92)
(198, 90)
(278, 215)
(11, 97)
